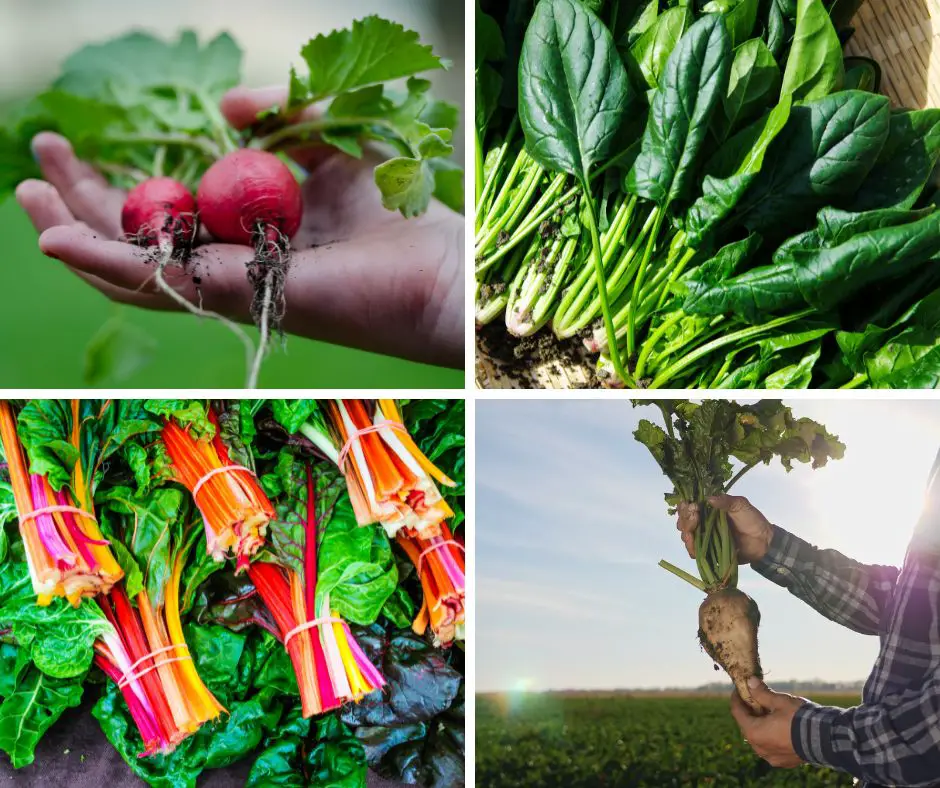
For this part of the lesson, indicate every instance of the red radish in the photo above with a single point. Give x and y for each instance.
(251, 198)
(160, 211)
(247, 193)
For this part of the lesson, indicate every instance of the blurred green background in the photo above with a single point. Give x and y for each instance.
(58, 332)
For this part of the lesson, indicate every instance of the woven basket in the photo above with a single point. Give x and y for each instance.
(903, 36)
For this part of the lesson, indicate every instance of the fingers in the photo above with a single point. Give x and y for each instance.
(115, 262)
(241, 105)
(43, 205)
(687, 523)
(85, 192)
(224, 287)
(761, 693)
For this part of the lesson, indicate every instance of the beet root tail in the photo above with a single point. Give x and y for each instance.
(728, 622)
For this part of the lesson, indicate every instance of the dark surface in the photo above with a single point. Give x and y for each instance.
(75, 753)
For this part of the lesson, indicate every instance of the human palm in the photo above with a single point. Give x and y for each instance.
(360, 275)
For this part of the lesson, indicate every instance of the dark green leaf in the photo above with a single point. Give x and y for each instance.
(573, 88)
(815, 67)
(695, 80)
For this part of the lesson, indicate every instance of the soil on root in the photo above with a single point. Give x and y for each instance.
(515, 357)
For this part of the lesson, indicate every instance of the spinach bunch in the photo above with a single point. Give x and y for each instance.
(743, 209)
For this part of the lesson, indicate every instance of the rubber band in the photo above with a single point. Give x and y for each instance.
(224, 469)
(309, 625)
(354, 436)
(129, 675)
(438, 546)
(50, 509)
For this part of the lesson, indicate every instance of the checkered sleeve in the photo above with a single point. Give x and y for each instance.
(843, 590)
(894, 742)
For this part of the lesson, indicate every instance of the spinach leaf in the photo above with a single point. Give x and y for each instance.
(37, 701)
(646, 60)
(740, 16)
(752, 86)
(731, 172)
(905, 163)
(573, 91)
(798, 375)
(573, 88)
(909, 361)
(823, 277)
(815, 67)
(825, 152)
(695, 80)
(717, 270)
(781, 21)
(862, 73)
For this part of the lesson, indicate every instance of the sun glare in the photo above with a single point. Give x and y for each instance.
(869, 502)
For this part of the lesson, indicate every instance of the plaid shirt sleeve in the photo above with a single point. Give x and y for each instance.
(894, 742)
(843, 590)
(895, 738)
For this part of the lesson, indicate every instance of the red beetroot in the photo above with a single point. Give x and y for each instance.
(249, 192)
(160, 210)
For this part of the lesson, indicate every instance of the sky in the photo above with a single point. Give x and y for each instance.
(571, 523)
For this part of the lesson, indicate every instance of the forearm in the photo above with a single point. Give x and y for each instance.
(896, 742)
(843, 590)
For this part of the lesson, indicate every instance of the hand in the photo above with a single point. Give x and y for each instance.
(769, 735)
(752, 531)
(362, 276)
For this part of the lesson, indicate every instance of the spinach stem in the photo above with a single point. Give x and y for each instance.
(478, 182)
(601, 283)
(683, 574)
(638, 282)
(651, 341)
(678, 366)
(859, 380)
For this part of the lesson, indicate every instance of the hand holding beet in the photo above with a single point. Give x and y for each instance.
(751, 530)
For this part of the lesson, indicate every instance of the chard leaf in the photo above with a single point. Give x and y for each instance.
(815, 67)
(573, 88)
(374, 50)
(150, 527)
(37, 701)
(338, 758)
(696, 78)
(59, 638)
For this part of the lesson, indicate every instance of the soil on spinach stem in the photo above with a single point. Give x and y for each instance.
(514, 358)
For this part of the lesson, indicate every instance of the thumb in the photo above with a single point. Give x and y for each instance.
(729, 503)
(761, 693)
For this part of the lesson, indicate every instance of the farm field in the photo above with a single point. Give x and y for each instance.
(618, 741)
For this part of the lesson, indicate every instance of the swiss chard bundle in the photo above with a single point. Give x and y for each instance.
(709, 195)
